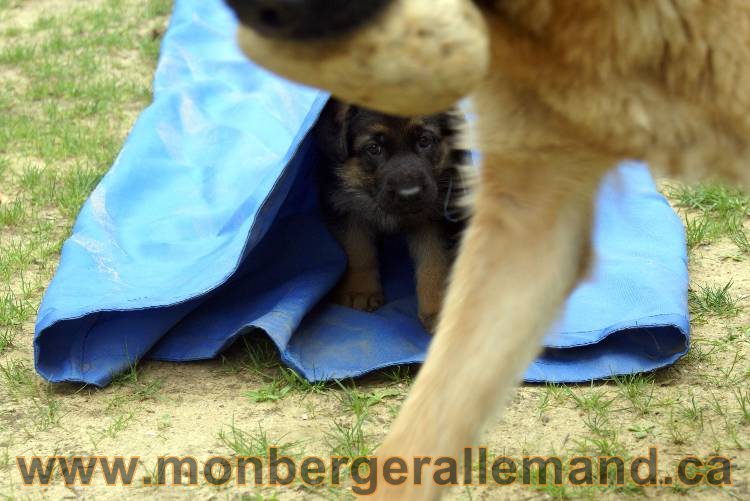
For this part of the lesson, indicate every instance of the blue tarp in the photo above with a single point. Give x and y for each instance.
(207, 227)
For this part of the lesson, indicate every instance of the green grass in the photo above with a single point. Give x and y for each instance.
(62, 125)
(590, 400)
(129, 376)
(698, 231)
(284, 382)
(15, 308)
(738, 234)
(359, 402)
(713, 211)
(692, 411)
(270, 392)
(701, 352)
(713, 300)
(641, 431)
(608, 444)
(638, 389)
(261, 354)
(551, 394)
(133, 388)
(403, 374)
(18, 379)
(730, 373)
(158, 8)
(347, 438)
(253, 353)
(598, 424)
(7, 337)
(74, 80)
(118, 424)
(256, 443)
(48, 412)
(12, 214)
(743, 400)
(714, 199)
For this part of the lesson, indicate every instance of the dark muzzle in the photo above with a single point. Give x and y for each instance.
(305, 19)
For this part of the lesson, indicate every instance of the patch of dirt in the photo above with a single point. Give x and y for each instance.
(23, 14)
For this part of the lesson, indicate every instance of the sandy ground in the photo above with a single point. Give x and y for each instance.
(197, 401)
(181, 409)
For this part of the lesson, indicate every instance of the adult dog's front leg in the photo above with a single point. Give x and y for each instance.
(525, 248)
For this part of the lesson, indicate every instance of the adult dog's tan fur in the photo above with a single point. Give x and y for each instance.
(572, 87)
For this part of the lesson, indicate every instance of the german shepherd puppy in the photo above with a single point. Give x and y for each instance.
(386, 175)
(562, 90)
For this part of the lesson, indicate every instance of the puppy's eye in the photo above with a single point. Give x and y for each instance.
(374, 149)
(426, 141)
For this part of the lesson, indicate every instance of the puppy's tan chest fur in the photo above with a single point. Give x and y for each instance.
(627, 78)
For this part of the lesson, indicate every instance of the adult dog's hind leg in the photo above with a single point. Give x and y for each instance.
(526, 247)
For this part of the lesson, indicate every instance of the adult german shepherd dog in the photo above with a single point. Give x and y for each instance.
(563, 90)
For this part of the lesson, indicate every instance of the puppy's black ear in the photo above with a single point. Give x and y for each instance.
(332, 129)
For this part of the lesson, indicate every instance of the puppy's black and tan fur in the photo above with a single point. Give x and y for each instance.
(386, 175)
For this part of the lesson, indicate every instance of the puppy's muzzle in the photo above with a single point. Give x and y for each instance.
(403, 57)
(407, 191)
(305, 19)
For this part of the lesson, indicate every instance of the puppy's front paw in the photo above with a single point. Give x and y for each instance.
(360, 290)
(363, 300)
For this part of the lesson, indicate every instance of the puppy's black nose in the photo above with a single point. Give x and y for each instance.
(407, 189)
(305, 19)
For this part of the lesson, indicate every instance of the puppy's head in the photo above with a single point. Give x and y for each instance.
(389, 169)
(407, 57)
